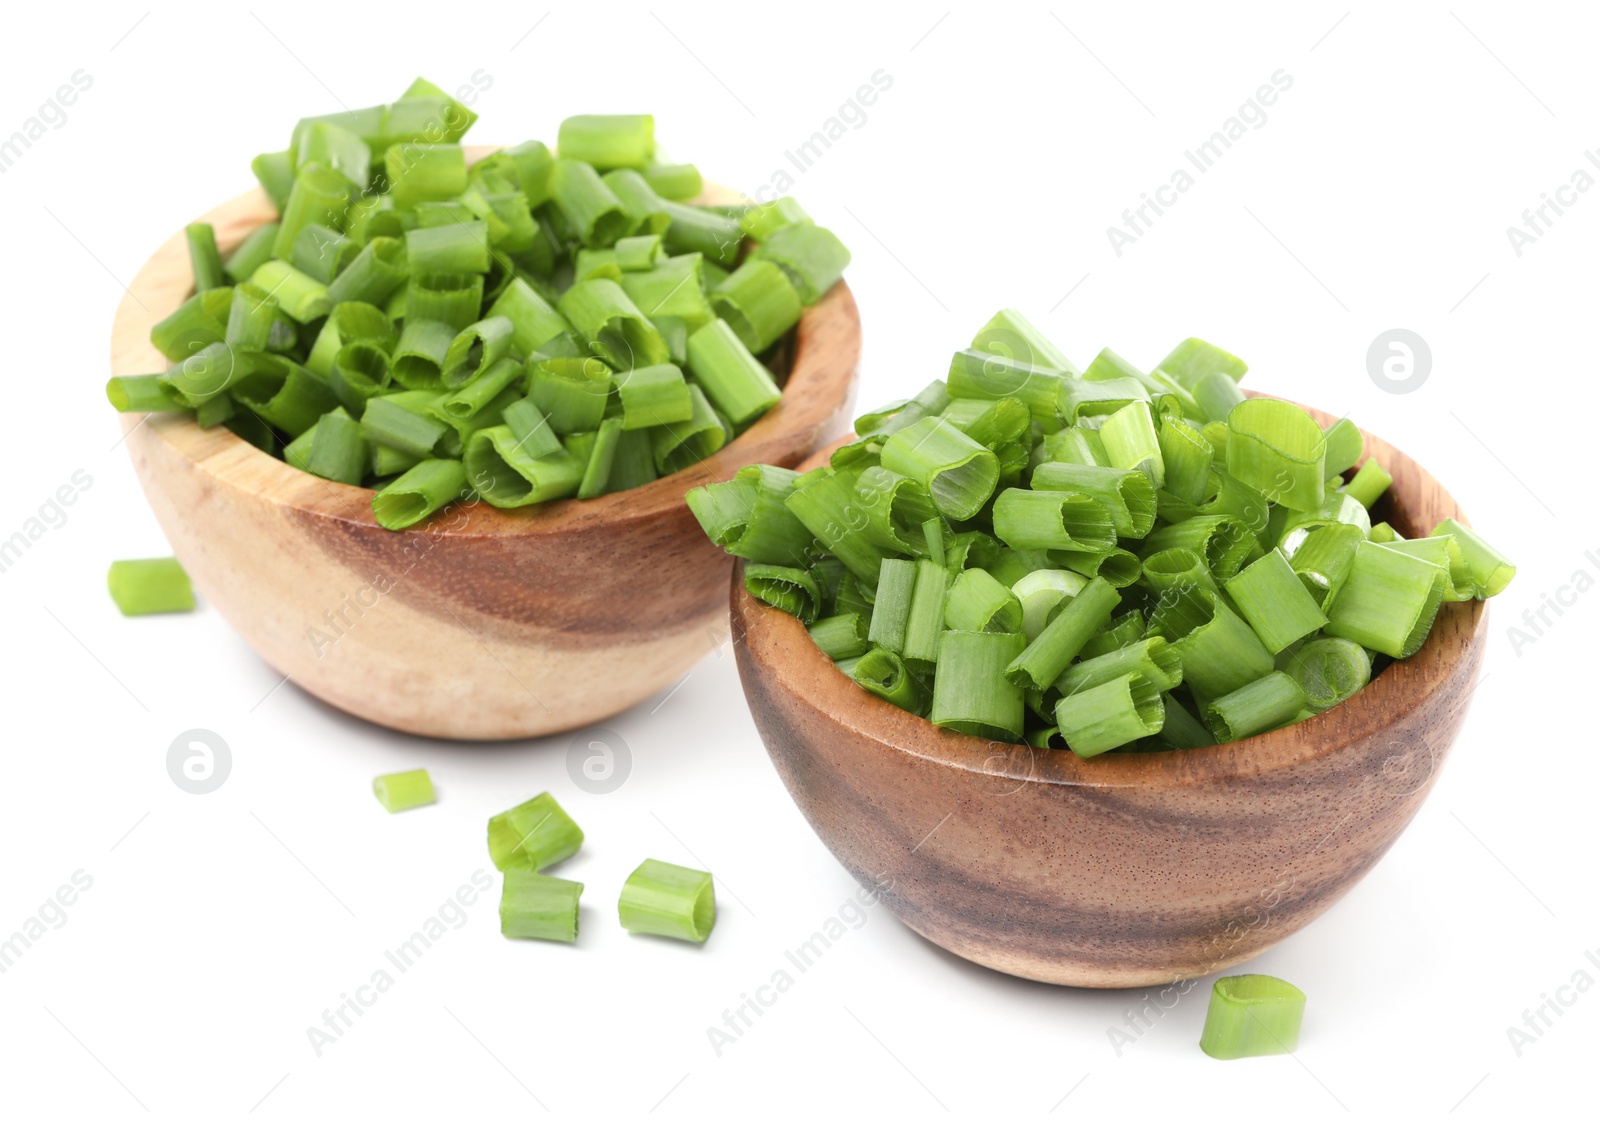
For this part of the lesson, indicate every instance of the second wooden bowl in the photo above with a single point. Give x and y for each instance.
(1128, 869)
(479, 623)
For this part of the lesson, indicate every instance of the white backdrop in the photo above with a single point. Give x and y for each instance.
(206, 933)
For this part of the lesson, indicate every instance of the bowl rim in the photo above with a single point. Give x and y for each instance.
(233, 462)
(1452, 652)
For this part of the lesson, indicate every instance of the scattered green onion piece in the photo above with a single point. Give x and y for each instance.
(533, 835)
(1329, 670)
(619, 140)
(466, 401)
(959, 473)
(976, 374)
(409, 789)
(1047, 655)
(204, 261)
(841, 637)
(645, 209)
(1344, 447)
(1220, 653)
(1130, 441)
(1215, 396)
(788, 588)
(668, 901)
(1194, 359)
(360, 371)
(1389, 600)
(1039, 592)
(638, 252)
(450, 298)
(1277, 449)
(507, 475)
(532, 161)
(142, 394)
(696, 230)
(419, 357)
(1083, 399)
(301, 296)
(972, 693)
(321, 253)
(571, 393)
(418, 492)
(320, 195)
(338, 450)
(674, 181)
(1491, 571)
(593, 210)
(891, 611)
(337, 147)
(1252, 1015)
(812, 256)
(1153, 658)
(384, 423)
(275, 173)
(457, 247)
(1181, 730)
(422, 172)
(1265, 704)
(251, 252)
(1109, 715)
(1121, 631)
(208, 372)
(476, 349)
(760, 220)
(653, 396)
(1127, 494)
(612, 325)
(758, 302)
(374, 274)
(681, 444)
(540, 907)
(885, 675)
(293, 404)
(1272, 599)
(1225, 542)
(597, 466)
(1011, 335)
(1176, 569)
(1052, 520)
(533, 322)
(925, 619)
(1186, 454)
(1322, 560)
(142, 586)
(530, 428)
(1370, 482)
(734, 380)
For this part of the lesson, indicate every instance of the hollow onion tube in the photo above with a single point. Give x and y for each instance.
(674, 289)
(1225, 543)
(886, 676)
(422, 172)
(1181, 730)
(376, 272)
(971, 692)
(758, 302)
(539, 907)
(1252, 1015)
(1130, 441)
(1219, 652)
(1491, 571)
(204, 261)
(571, 393)
(1276, 448)
(1039, 592)
(533, 835)
(594, 212)
(292, 401)
(1329, 670)
(732, 378)
(1261, 705)
(531, 428)
(1048, 654)
(891, 611)
(450, 298)
(925, 618)
(612, 326)
(1344, 446)
(1187, 458)
(418, 492)
(1153, 658)
(759, 220)
(1389, 600)
(250, 253)
(141, 586)
(1176, 569)
(409, 789)
(383, 422)
(507, 476)
(1052, 520)
(959, 473)
(653, 396)
(1013, 336)
(1194, 359)
(617, 140)
(1370, 482)
(465, 402)
(668, 901)
(696, 230)
(1127, 494)
(1272, 599)
(677, 445)
(300, 295)
(1082, 398)
(784, 587)
(419, 356)
(338, 450)
(1109, 715)
(979, 603)
(674, 181)
(841, 637)
(976, 374)
(142, 394)
(1122, 630)
(319, 195)
(321, 253)
(275, 173)
(747, 516)
(456, 247)
(475, 349)
(812, 256)
(1215, 396)
(533, 322)
(645, 209)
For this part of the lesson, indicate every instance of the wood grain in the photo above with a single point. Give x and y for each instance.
(480, 623)
(1129, 869)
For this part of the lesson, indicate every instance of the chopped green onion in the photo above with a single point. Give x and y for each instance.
(1048, 654)
(1127, 494)
(971, 691)
(1068, 521)
(959, 473)
(1039, 592)
(1491, 571)
(507, 475)
(375, 273)
(1389, 601)
(1152, 658)
(976, 374)
(419, 492)
(1252, 1015)
(467, 401)
(338, 450)
(1262, 705)
(1013, 336)
(533, 322)
(612, 326)
(533, 835)
(1345, 445)
(1130, 441)
(674, 181)
(300, 295)
(841, 637)
(980, 603)
(758, 302)
(1272, 599)
(589, 206)
(607, 141)
(255, 249)
(1194, 359)
(891, 611)
(885, 675)
(668, 901)
(540, 907)
(456, 247)
(409, 789)
(1109, 715)
(1277, 449)
(1370, 482)
(319, 195)
(761, 219)
(204, 261)
(678, 445)
(475, 349)
(925, 620)
(1330, 670)
(141, 586)
(142, 394)
(788, 588)
(1220, 653)
(812, 256)
(731, 377)
(422, 172)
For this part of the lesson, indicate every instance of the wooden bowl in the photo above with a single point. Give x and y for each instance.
(479, 623)
(1129, 869)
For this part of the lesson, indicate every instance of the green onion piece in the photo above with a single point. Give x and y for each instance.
(1181, 730)
(453, 299)
(612, 326)
(1220, 653)
(653, 396)
(1187, 457)
(1048, 654)
(668, 901)
(1077, 446)
(671, 290)
(142, 394)
(320, 195)
(1345, 445)
(275, 173)
(674, 181)
(588, 205)
(734, 380)
(1252, 1015)
(842, 636)
(1130, 440)
(360, 371)
(933, 532)
(959, 473)
(1109, 715)
(932, 400)
(1329, 670)
(891, 611)
(1215, 396)
(533, 835)
(250, 318)
(1225, 542)
(292, 403)
(466, 401)
(298, 451)
(250, 253)
(638, 252)
(301, 296)
(374, 274)
(886, 676)
(1272, 599)
(695, 230)
(419, 492)
(760, 220)
(338, 450)
(419, 357)
(457, 247)
(758, 302)
(475, 349)
(385, 423)
(971, 691)
(530, 428)
(409, 789)
(204, 261)
(1176, 569)
(784, 587)
(1370, 482)
(337, 147)
(1491, 571)
(1322, 560)
(141, 586)
(540, 907)
(645, 209)
(533, 322)
(1126, 494)
(1083, 398)
(571, 393)
(1153, 658)
(1277, 449)
(747, 516)
(620, 140)
(321, 253)
(422, 172)
(1013, 336)
(208, 372)
(214, 412)
(978, 602)
(1389, 600)
(1039, 592)
(812, 256)
(507, 475)
(925, 620)
(1383, 533)
(1194, 359)
(1270, 702)
(681, 444)
(981, 375)
(532, 161)
(1120, 632)
(1071, 521)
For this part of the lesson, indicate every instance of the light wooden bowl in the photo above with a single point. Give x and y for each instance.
(1129, 869)
(479, 623)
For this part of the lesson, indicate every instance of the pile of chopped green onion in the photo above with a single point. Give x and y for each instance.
(1106, 559)
(532, 327)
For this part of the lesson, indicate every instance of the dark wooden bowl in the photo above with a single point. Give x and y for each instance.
(1129, 869)
(479, 623)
